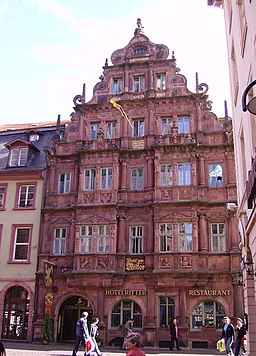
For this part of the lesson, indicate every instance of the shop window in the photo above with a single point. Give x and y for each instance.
(21, 244)
(117, 86)
(18, 156)
(215, 175)
(90, 179)
(138, 128)
(3, 191)
(184, 174)
(166, 237)
(208, 314)
(124, 310)
(25, 196)
(106, 176)
(111, 130)
(136, 239)
(160, 81)
(137, 179)
(64, 183)
(185, 237)
(85, 242)
(183, 125)
(166, 307)
(138, 84)
(218, 237)
(59, 241)
(166, 175)
(103, 239)
(166, 125)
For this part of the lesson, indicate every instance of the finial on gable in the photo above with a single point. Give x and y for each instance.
(140, 28)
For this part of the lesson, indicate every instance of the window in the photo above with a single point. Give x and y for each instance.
(106, 175)
(117, 86)
(124, 310)
(94, 131)
(215, 175)
(3, 190)
(183, 125)
(90, 179)
(138, 128)
(21, 244)
(184, 174)
(166, 125)
(218, 238)
(166, 175)
(185, 237)
(18, 156)
(33, 137)
(137, 179)
(111, 130)
(103, 239)
(166, 237)
(26, 198)
(160, 82)
(140, 51)
(85, 243)
(64, 183)
(136, 239)
(138, 84)
(59, 241)
(166, 310)
(208, 314)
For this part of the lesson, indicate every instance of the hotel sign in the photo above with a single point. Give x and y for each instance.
(125, 292)
(134, 264)
(209, 292)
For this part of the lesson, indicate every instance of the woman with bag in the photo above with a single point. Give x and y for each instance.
(228, 335)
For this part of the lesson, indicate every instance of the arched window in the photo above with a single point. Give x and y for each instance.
(208, 314)
(124, 310)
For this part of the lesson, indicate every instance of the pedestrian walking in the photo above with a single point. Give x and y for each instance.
(2, 349)
(82, 332)
(240, 335)
(127, 330)
(94, 332)
(228, 335)
(174, 332)
(133, 344)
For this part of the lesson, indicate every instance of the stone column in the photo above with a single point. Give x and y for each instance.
(150, 173)
(201, 170)
(123, 174)
(233, 232)
(121, 234)
(202, 236)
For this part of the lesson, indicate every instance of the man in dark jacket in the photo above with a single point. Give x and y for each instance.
(82, 332)
(174, 332)
(228, 335)
(240, 333)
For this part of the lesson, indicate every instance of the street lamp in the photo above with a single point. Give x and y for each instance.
(251, 106)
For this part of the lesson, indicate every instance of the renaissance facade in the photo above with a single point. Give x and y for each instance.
(138, 219)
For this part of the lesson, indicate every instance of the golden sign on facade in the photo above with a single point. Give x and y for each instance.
(125, 292)
(208, 292)
(134, 264)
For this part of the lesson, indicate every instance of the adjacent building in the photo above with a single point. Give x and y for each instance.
(139, 217)
(241, 44)
(22, 174)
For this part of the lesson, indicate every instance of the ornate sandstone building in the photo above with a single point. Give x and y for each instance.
(138, 218)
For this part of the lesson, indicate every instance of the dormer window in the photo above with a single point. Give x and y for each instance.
(33, 137)
(18, 156)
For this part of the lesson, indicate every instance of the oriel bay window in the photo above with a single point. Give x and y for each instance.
(59, 241)
(218, 237)
(166, 237)
(90, 179)
(124, 310)
(166, 307)
(183, 125)
(185, 237)
(166, 175)
(208, 314)
(136, 239)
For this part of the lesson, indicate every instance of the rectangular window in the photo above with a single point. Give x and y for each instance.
(166, 175)
(166, 310)
(185, 237)
(103, 239)
(85, 243)
(111, 130)
(166, 125)
(137, 179)
(94, 131)
(3, 190)
(90, 179)
(218, 237)
(18, 156)
(184, 174)
(160, 82)
(64, 183)
(59, 241)
(166, 237)
(21, 247)
(215, 175)
(184, 125)
(138, 84)
(138, 128)
(26, 196)
(117, 86)
(136, 239)
(106, 176)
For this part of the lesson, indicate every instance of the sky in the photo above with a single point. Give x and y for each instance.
(49, 48)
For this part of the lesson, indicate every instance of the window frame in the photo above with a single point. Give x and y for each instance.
(3, 186)
(216, 315)
(163, 238)
(60, 240)
(162, 78)
(13, 246)
(165, 180)
(166, 127)
(218, 182)
(27, 185)
(18, 162)
(103, 240)
(138, 128)
(110, 132)
(94, 133)
(126, 309)
(139, 83)
(184, 178)
(139, 179)
(117, 85)
(108, 180)
(188, 233)
(92, 179)
(218, 236)
(168, 310)
(85, 239)
(184, 124)
(136, 241)
(66, 188)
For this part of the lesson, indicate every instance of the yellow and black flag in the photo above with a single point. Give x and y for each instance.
(119, 107)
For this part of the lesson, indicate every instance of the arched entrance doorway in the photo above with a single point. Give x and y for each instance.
(70, 311)
(16, 312)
